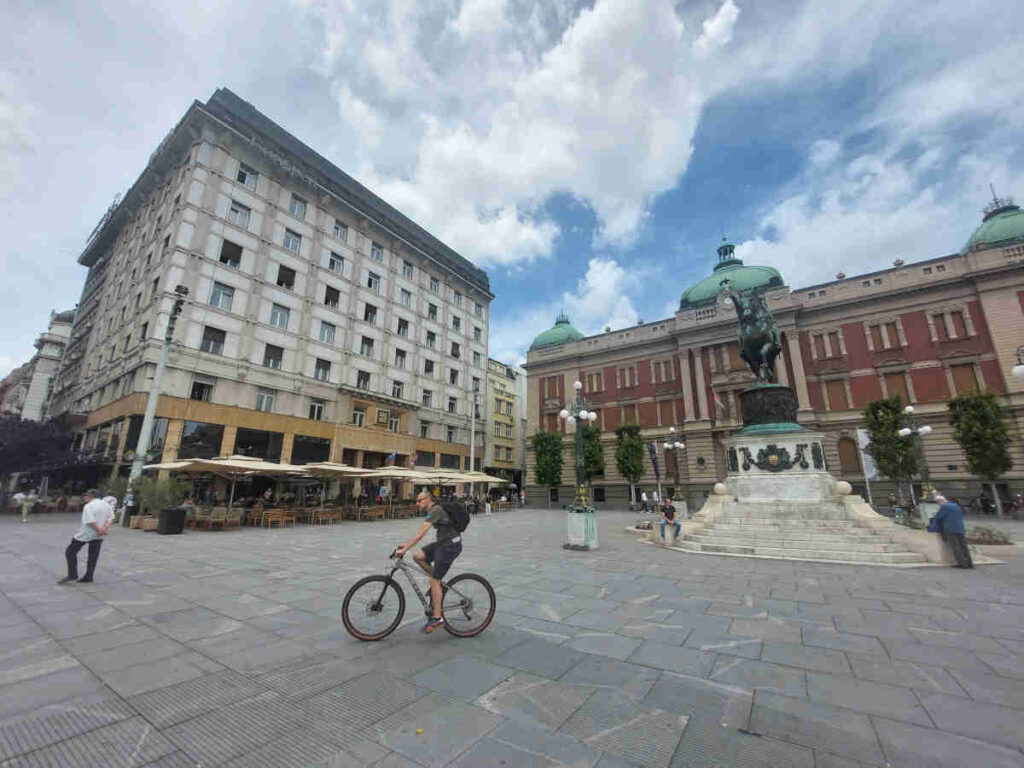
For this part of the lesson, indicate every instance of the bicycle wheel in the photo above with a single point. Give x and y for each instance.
(467, 605)
(373, 608)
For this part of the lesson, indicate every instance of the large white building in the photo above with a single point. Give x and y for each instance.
(25, 391)
(321, 323)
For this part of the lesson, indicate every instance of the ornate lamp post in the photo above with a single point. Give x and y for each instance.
(582, 522)
(917, 430)
(1018, 369)
(674, 446)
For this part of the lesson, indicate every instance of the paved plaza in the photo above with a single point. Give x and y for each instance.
(226, 648)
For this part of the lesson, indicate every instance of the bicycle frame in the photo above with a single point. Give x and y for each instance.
(408, 570)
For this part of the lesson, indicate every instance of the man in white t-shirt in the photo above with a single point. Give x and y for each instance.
(96, 519)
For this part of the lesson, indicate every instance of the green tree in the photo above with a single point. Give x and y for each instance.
(593, 453)
(980, 429)
(30, 445)
(896, 457)
(629, 455)
(547, 450)
(153, 495)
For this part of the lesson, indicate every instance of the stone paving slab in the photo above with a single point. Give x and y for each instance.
(535, 700)
(129, 742)
(434, 730)
(911, 745)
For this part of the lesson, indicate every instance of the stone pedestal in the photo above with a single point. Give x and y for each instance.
(581, 525)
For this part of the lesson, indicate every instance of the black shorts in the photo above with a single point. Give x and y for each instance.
(441, 556)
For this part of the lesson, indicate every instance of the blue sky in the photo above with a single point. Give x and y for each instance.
(589, 155)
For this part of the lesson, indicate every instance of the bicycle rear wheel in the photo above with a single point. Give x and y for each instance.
(373, 608)
(467, 605)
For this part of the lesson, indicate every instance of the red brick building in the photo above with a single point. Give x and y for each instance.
(926, 331)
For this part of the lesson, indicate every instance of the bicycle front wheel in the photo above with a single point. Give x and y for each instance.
(373, 608)
(467, 605)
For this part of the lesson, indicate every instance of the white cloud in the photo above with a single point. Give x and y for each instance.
(824, 152)
(717, 30)
(16, 135)
(480, 18)
(9, 362)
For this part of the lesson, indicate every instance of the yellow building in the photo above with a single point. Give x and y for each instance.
(504, 454)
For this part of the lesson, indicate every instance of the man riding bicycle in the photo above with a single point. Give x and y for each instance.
(435, 559)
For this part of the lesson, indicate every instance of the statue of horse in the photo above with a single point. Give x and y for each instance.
(759, 338)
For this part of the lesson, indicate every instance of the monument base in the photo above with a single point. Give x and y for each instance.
(581, 526)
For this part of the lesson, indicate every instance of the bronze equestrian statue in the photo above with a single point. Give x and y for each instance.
(759, 338)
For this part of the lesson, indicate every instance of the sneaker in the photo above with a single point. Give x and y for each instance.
(67, 580)
(85, 581)
(432, 624)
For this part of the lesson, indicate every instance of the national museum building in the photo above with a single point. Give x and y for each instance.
(926, 331)
(321, 323)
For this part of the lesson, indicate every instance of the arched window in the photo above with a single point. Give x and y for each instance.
(849, 457)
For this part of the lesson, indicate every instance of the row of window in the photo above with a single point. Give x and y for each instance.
(502, 430)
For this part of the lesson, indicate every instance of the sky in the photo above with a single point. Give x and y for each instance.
(589, 154)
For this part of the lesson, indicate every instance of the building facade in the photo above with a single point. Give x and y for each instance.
(321, 323)
(25, 392)
(504, 454)
(926, 331)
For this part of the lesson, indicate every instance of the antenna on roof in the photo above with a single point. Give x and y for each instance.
(994, 196)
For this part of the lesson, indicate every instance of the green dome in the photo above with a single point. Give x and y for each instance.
(1003, 224)
(562, 333)
(741, 278)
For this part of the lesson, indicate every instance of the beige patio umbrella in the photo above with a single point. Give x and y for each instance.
(233, 468)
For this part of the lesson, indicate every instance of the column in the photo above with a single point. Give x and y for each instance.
(227, 442)
(287, 443)
(172, 441)
(684, 366)
(702, 389)
(793, 348)
(780, 369)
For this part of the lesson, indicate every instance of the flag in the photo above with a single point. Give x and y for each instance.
(718, 401)
(392, 456)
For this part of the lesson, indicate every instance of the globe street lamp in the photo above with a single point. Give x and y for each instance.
(1018, 369)
(674, 446)
(580, 411)
(917, 430)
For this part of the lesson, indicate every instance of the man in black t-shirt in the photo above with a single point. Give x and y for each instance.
(668, 516)
(435, 559)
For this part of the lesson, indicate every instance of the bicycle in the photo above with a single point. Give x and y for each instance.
(379, 600)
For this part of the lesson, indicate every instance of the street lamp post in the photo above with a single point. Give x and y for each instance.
(578, 412)
(674, 446)
(917, 430)
(1018, 369)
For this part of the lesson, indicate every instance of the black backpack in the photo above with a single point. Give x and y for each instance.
(457, 513)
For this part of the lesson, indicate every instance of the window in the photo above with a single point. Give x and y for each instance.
(478, 309)
(341, 230)
(138, 299)
(373, 282)
(959, 326)
(127, 341)
(476, 359)
(279, 316)
(376, 251)
(497, 429)
(316, 409)
(428, 367)
(431, 339)
(595, 382)
(476, 384)
(941, 331)
(508, 454)
(395, 423)
(247, 176)
(477, 334)
(407, 269)
(273, 356)
(405, 297)
(238, 214)
(230, 254)
(836, 348)
(866, 283)
(456, 323)
(965, 380)
(877, 281)
(453, 376)
(297, 207)
(156, 288)
(265, 400)
(508, 430)
(362, 380)
(285, 277)
(383, 414)
(202, 389)
(508, 412)
(322, 371)
(427, 398)
(450, 434)
(435, 285)
(370, 314)
(331, 297)
(455, 349)
(399, 358)
(627, 376)
(894, 338)
(213, 341)
(366, 346)
(336, 263)
(453, 404)
(143, 331)
(896, 384)
(432, 312)
(457, 299)
(292, 241)
(327, 332)
(876, 337)
(940, 268)
(403, 327)
(359, 415)
(927, 270)
(836, 395)
(221, 296)
(425, 429)
(819, 346)
(397, 389)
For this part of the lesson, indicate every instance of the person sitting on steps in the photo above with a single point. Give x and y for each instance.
(668, 517)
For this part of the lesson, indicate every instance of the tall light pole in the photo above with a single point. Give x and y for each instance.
(472, 440)
(917, 430)
(582, 522)
(674, 446)
(146, 433)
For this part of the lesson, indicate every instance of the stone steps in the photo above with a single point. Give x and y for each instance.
(830, 544)
(805, 553)
(796, 530)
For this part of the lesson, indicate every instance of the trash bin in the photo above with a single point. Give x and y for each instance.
(126, 515)
(172, 520)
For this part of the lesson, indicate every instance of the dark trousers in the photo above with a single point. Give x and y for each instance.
(958, 543)
(71, 554)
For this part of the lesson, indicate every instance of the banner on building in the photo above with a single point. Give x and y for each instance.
(866, 459)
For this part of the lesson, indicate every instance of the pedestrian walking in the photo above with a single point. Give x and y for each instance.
(949, 522)
(643, 501)
(656, 498)
(96, 519)
(27, 504)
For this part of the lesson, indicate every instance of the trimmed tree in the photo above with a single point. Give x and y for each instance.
(547, 453)
(593, 453)
(629, 455)
(980, 429)
(895, 456)
(30, 445)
